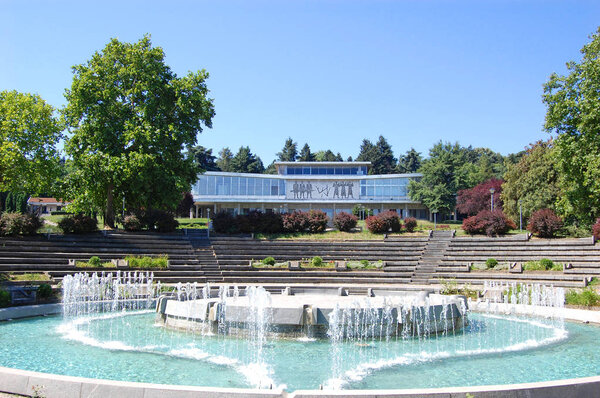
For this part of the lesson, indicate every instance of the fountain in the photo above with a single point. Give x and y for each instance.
(318, 312)
(125, 326)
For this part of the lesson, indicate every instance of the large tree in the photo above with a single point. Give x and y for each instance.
(379, 154)
(533, 181)
(29, 133)
(289, 153)
(245, 161)
(472, 201)
(306, 155)
(410, 161)
(131, 118)
(328, 156)
(573, 113)
(225, 159)
(445, 172)
(203, 158)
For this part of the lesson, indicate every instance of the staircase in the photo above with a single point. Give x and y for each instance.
(432, 256)
(203, 249)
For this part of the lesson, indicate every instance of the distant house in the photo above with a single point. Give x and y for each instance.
(43, 206)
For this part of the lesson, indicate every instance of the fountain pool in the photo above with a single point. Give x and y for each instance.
(123, 338)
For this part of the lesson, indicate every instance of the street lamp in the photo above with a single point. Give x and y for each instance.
(434, 211)
(520, 215)
(208, 222)
(492, 190)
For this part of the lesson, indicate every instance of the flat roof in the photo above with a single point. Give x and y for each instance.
(322, 163)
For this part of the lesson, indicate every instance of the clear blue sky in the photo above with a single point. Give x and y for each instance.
(326, 72)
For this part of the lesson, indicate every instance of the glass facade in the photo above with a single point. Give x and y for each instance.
(384, 188)
(209, 185)
(325, 170)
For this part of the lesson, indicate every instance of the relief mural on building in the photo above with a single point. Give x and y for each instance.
(320, 190)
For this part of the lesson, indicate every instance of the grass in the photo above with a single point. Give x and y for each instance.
(161, 261)
(586, 297)
(260, 264)
(542, 265)
(54, 229)
(30, 277)
(364, 264)
(194, 223)
(87, 264)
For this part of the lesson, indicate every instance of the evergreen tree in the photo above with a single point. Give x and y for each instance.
(380, 155)
(245, 161)
(203, 158)
(366, 152)
(225, 160)
(306, 155)
(327, 156)
(271, 169)
(289, 153)
(410, 162)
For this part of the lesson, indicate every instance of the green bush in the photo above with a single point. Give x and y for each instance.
(78, 224)
(364, 263)
(95, 261)
(132, 223)
(4, 298)
(533, 266)
(546, 263)
(317, 261)
(19, 224)
(161, 261)
(587, 297)
(491, 262)
(44, 290)
(268, 261)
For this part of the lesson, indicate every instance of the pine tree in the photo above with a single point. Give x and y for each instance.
(306, 155)
(410, 162)
(246, 162)
(203, 158)
(289, 153)
(225, 159)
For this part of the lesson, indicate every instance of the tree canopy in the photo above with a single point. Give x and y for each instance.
(474, 200)
(409, 162)
(445, 172)
(131, 117)
(245, 161)
(533, 181)
(379, 154)
(305, 154)
(203, 158)
(29, 133)
(225, 159)
(289, 153)
(573, 113)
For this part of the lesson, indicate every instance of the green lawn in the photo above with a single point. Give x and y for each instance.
(186, 222)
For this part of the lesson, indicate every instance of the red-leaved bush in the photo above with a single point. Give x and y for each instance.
(544, 223)
(472, 201)
(317, 221)
(344, 221)
(490, 223)
(410, 224)
(391, 220)
(375, 225)
(596, 229)
(296, 221)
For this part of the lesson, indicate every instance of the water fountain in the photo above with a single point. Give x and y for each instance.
(121, 326)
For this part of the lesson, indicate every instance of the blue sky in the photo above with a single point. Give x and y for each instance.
(326, 72)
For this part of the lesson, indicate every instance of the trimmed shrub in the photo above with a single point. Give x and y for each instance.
(224, 222)
(296, 221)
(491, 262)
(271, 223)
(317, 221)
(132, 223)
(95, 261)
(546, 263)
(316, 261)
(376, 225)
(391, 220)
(269, 261)
(596, 229)
(19, 224)
(78, 224)
(490, 223)
(410, 224)
(4, 298)
(44, 291)
(544, 223)
(344, 221)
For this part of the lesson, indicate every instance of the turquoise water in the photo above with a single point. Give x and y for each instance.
(130, 347)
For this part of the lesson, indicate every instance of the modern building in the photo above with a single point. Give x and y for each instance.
(328, 186)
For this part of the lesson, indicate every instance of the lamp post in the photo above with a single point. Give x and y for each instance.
(434, 211)
(520, 215)
(492, 190)
(208, 222)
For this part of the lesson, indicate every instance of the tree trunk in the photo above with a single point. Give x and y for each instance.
(109, 217)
